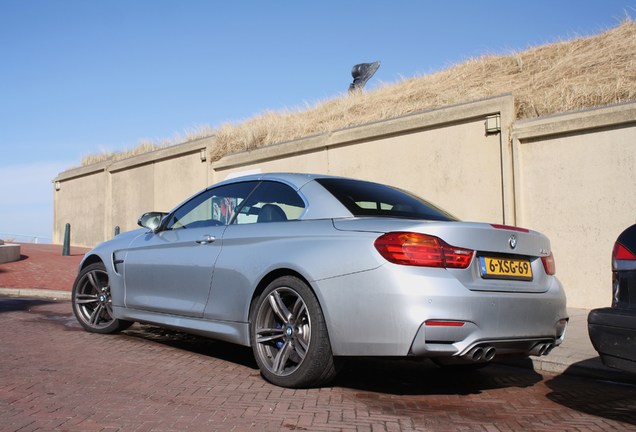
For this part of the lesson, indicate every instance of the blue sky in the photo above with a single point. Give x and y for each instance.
(84, 76)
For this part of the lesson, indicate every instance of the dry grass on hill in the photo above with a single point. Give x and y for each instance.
(581, 73)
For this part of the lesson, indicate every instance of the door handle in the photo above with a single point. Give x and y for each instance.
(207, 239)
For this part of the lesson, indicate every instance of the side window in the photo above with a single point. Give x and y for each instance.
(271, 202)
(212, 207)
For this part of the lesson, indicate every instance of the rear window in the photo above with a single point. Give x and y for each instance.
(373, 199)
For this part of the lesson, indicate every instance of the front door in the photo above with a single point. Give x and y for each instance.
(170, 271)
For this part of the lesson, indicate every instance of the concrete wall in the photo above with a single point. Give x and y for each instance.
(157, 184)
(575, 181)
(444, 155)
(96, 199)
(569, 176)
(80, 199)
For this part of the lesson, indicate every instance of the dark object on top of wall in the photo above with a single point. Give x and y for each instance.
(362, 73)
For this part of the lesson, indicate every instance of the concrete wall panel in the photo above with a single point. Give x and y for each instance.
(443, 155)
(457, 167)
(96, 198)
(306, 162)
(176, 179)
(132, 194)
(80, 201)
(577, 187)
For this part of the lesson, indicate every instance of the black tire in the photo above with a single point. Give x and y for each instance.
(289, 336)
(92, 303)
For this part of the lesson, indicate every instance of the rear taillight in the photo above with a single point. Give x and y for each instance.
(622, 259)
(548, 264)
(620, 252)
(417, 249)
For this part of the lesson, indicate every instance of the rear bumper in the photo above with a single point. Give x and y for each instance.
(461, 344)
(613, 335)
(396, 311)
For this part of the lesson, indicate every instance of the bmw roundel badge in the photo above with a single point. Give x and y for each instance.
(512, 242)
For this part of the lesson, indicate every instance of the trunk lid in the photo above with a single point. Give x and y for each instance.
(498, 250)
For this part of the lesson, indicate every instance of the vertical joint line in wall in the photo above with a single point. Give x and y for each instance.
(503, 177)
(513, 177)
(503, 171)
(108, 208)
(497, 123)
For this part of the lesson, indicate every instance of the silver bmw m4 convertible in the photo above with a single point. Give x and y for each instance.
(310, 269)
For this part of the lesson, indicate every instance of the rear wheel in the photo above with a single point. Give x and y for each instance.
(92, 304)
(289, 336)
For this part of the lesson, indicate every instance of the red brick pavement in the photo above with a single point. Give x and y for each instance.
(42, 266)
(55, 376)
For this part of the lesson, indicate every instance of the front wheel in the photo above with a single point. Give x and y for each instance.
(92, 304)
(289, 336)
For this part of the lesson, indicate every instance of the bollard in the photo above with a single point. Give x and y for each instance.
(116, 230)
(67, 240)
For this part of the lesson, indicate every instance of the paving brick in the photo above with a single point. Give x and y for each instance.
(55, 376)
(42, 267)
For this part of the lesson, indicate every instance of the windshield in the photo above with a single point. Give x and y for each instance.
(373, 199)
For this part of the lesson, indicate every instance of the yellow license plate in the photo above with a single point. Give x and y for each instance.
(505, 268)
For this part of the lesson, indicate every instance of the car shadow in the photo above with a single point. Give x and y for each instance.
(382, 375)
(423, 377)
(193, 343)
(15, 304)
(602, 398)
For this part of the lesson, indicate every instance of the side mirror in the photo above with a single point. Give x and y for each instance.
(151, 220)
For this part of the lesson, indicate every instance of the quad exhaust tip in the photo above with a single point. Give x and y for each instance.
(541, 349)
(485, 353)
(489, 353)
(479, 353)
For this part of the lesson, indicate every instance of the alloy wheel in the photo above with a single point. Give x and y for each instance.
(93, 301)
(283, 331)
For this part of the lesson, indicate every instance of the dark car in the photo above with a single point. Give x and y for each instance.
(613, 329)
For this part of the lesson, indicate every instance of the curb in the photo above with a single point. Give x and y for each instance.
(36, 293)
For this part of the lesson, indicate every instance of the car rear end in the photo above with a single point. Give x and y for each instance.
(442, 288)
(613, 329)
(509, 301)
